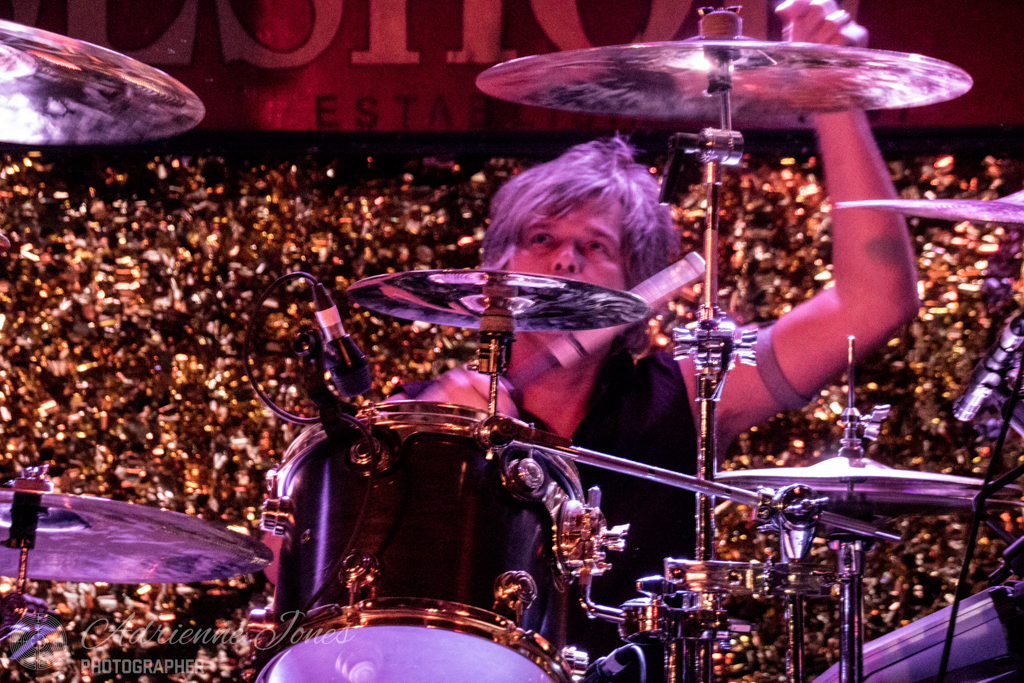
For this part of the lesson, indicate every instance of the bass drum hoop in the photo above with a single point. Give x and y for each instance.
(433, 614)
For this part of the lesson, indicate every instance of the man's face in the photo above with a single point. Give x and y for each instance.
(584, 244)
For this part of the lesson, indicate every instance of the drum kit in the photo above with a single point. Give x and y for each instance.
(478, 522)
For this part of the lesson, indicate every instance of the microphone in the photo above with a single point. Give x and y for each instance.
(350, 373)
(987, 376)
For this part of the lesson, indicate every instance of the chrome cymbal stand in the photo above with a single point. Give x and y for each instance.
(19, 612)
(712, 345)
(497, 332)
(796, 515)
(850, 548)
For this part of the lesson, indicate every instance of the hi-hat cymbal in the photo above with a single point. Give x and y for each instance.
(770, 81)
(86, 539)
(883, 490)
(977, 210)
(57, 90)
(537, 302)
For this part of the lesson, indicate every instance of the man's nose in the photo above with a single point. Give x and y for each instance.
(568, 259)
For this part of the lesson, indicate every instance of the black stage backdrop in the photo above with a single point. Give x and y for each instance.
(133, 274)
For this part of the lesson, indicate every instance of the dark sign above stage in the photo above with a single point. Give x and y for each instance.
(410, 65)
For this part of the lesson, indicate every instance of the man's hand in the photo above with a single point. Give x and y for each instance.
(820, 21)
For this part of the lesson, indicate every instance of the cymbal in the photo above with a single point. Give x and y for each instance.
(80, 538)
(976, 210)
(883, 490)
(538, 302)
(771, 82)
(57, 90)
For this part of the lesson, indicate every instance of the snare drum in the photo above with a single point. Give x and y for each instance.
(453, 574)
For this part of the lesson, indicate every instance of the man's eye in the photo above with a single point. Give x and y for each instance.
(539, 238)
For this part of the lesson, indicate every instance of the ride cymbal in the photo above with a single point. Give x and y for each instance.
(770, 82)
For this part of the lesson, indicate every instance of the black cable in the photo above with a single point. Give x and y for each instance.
(979, 513)
(332, 573)
(611, 665)
(247, 348)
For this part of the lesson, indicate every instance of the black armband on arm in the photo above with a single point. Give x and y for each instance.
(771, 374)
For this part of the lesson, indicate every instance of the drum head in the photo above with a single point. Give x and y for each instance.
(401, 654)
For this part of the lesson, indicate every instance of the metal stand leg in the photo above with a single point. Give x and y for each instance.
(851, 599)
(795, 636)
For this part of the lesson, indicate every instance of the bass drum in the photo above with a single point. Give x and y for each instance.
(452, 574)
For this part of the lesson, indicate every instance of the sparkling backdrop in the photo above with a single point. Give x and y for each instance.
(130, 282)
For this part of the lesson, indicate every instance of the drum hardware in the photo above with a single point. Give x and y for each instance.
(20, 612)
(583, 537)
(275, 513)
(358, 571)
(577, 661)
(514, 592)
(796, 520)
(761, 501)
(260, 627)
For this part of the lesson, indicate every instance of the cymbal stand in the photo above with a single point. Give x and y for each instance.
(712, 344)
(851, 548)
(497, 332)
(796, 513)
(16, 608)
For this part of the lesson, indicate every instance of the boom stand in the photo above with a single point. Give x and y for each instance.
(712, 345)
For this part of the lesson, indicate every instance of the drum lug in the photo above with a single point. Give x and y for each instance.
(359, 571)
(583, 536)
(276, 515)
(514, 592)
(261, 620)
(577, 661)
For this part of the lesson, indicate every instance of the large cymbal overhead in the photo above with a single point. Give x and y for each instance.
(884, 490)
(771, 82)
(976, 210)
(86, 539)
(535, 302)
(57, 90)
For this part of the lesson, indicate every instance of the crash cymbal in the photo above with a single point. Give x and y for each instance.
(57, 90)
(86, 539)
(771, 82)
(883, 490)
(536, 302)
(1007, 210)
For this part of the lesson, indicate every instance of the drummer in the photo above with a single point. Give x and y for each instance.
(593, 215)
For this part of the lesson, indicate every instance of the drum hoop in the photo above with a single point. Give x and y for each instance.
(437, 614)
(425, 416)
(417, 417)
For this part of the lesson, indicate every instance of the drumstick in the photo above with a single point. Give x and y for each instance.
(571, 347)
